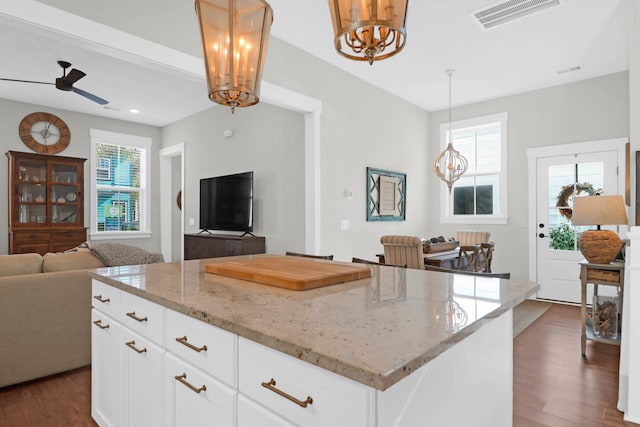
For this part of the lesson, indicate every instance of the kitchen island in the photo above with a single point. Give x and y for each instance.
(404, 347)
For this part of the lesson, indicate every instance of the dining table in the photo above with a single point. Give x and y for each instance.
(444, 259)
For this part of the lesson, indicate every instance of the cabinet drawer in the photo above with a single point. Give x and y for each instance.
(71, 236)
(336, 400)
(142, 369)
(105, 298)
(142, 316)
(31, 237)
(26, 248)
(250, 414)
(209, 348)
(196, 399)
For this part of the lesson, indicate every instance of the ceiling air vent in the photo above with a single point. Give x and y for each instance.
(505, 11)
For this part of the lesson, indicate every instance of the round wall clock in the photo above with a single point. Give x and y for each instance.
(44, 133)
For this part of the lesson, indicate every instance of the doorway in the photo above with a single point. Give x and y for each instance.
(171, 163)
(558, 174)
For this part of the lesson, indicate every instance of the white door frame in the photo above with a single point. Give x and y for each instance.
(166, 199)
(533, 154)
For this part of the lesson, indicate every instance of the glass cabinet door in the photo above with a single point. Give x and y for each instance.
(64, 194)
(32, 192)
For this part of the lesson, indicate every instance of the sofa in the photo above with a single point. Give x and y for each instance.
(45, 308)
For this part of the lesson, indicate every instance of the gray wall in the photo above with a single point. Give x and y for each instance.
(268, 141)
(11, 113)
(588, 110)
(361, 125)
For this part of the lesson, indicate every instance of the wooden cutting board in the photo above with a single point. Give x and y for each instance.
(295, 273)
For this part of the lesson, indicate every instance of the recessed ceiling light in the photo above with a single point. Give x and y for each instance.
(134, 110)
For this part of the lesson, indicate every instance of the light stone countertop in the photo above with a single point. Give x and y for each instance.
(375, 331)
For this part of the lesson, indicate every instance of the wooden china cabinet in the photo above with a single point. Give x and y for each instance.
(46, 203)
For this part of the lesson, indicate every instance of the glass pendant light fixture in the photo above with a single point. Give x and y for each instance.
(369, 30)
(450, 164)
(235, 34)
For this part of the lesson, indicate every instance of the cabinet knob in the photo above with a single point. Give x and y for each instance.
(184, 342)
(183, 379)
(132, 344)
(134, 317)
(271, 385)
(99, 324)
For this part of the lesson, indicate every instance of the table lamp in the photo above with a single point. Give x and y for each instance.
(599, 246)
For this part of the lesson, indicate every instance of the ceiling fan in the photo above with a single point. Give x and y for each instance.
(66, 82)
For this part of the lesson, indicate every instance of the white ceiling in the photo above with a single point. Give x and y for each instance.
(519, 56)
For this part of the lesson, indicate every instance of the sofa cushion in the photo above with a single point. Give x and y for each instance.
(70, 261)
(115, 254)
(13, 265)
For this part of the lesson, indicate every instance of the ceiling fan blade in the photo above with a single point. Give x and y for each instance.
(90, 96)
(73, 76)
(27, 81)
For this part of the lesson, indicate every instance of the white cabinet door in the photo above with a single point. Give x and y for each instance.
(142, 374)
(105, 370)
(196, 399)
(250, 414)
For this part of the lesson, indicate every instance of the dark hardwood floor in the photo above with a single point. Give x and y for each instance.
(62, 400)
(553, 385)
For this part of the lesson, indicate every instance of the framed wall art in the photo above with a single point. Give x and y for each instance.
(386, 195)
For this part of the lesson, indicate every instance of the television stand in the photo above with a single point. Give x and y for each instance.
(249, 233)
(201, 245)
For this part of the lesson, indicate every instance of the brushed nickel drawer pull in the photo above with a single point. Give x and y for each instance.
(99, 324)
(132, 344)
(134, 317)
(183, 341)
(271, 386)
(183, 379)
(99, 298)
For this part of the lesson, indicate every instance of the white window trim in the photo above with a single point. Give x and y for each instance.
(106, 137)
(446, 217)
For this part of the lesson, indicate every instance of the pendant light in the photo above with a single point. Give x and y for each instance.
(235, 34)
(450, 164)
(369, 30)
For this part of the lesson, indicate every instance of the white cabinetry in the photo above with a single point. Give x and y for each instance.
(105, 369)
(195, 398)
(298, 391)
(126, 371)
(155, 367)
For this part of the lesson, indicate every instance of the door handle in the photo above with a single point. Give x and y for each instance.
(542, 235)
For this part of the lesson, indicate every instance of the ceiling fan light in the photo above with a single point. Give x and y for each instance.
(235, 34)
(369, 30)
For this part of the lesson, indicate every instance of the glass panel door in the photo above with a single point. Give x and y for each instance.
(32, 192)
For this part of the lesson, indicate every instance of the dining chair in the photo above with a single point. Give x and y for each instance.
(485, 256)
(468, 273)
(472, 237)
(468, 257)
(403, 250)
(329, 257)
(366, 261)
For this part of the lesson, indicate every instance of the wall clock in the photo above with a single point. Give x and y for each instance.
(44, 133)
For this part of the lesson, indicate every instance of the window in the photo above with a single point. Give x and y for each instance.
(119, 185)
(480, 195)
(103, 169)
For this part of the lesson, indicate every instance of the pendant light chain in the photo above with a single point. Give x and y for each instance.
(450, 164)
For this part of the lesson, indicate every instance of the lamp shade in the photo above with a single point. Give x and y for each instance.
(235, 34)
(599, 210)
(599, 246)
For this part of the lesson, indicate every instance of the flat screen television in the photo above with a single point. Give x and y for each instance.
(226, 202)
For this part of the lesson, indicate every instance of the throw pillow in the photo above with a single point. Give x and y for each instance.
(116, 254)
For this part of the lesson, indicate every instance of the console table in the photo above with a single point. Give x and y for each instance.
(599, 274)
(198, 246)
